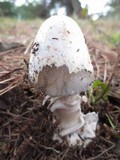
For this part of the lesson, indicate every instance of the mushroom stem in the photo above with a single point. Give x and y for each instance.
(67, 111)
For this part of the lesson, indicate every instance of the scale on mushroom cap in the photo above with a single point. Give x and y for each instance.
(60, 64)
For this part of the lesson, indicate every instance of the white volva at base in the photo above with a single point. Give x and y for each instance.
(78, 128)
(85, 134)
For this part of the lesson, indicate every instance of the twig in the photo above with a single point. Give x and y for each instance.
(65, 153)
(14, 70)
(11, 50)
(7, 80)
(10, 87)
(28, 48)
(105, 72)
(22, 115)
(105, 140)
(97, 66)
(42, 146)
(99, 155)
(110, 79)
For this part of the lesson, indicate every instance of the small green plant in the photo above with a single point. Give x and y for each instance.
(99, 91)
(115, 38)
(111, 122)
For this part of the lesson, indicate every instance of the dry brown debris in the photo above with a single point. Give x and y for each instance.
(26, 126)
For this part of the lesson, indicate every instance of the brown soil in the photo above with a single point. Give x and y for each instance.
(26, 127)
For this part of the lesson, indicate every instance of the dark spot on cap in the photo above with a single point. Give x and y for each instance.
(55, 38)
(68, 32)
(37, 44)
(33, 79)
(33, 52)
(35, 47)
(81, 78)
(78, 50)
(36, 72)
(89, 72)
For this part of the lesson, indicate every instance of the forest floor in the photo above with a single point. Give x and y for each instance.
(26, 127)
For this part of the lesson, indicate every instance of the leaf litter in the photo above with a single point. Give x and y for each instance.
(26, 124)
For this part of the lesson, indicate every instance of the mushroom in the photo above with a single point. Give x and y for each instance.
(60, 65)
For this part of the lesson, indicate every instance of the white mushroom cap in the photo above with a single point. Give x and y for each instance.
(60, 62)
